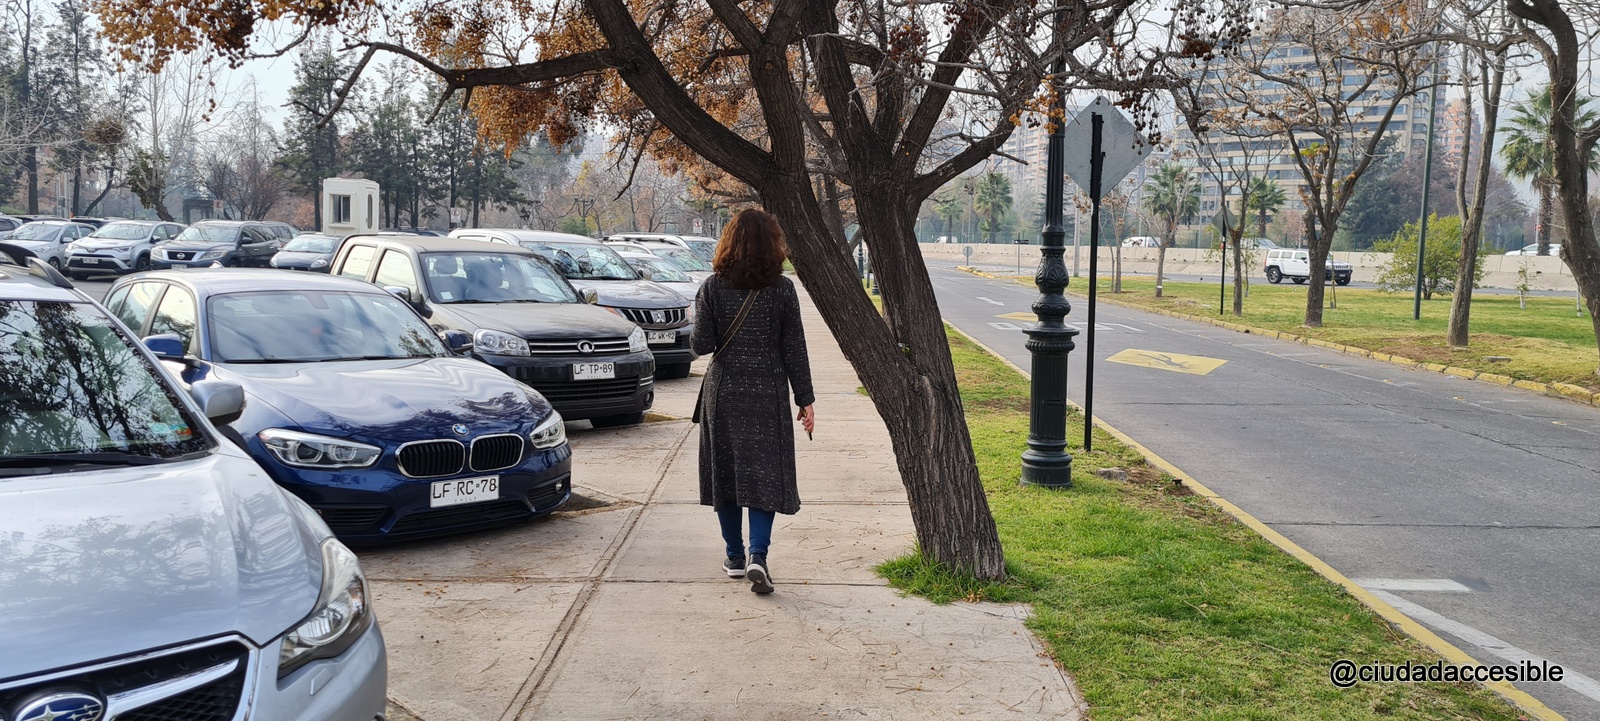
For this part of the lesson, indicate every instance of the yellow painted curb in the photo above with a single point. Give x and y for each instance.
(1519, 698)
(1578, 394)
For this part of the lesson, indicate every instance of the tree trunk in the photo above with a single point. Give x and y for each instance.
(111, 174)
(1472, 212)
(1261, 221)
(1161, 265)
(1321, 244)
(915, 391)
(77, 187)
(1116, 268)
(30, 164)
(1238, 272)
(1546, 216)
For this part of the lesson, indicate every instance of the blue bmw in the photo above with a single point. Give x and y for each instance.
(355, 404)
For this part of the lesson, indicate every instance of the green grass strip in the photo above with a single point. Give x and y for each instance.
(1160, 605)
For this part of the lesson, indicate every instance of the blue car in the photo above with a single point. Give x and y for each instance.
(355, 404)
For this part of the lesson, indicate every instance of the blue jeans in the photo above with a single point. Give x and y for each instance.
(732, 520)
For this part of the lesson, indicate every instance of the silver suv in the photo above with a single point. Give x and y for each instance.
(148, 567)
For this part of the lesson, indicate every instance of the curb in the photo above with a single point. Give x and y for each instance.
(1564, 391)
(1407, 625)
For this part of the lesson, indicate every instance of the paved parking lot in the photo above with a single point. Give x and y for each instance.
(618, 609)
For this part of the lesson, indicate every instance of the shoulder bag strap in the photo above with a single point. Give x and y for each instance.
(733, 330)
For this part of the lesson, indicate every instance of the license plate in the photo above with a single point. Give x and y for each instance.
(465, 490)
(175, 266)
(90, 261)
(593, 371)
(659, 337)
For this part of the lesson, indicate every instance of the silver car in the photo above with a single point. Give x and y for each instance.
(119, 247)
(149, 568)
(48, 239)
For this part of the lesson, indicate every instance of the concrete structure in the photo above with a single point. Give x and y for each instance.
(349, 206)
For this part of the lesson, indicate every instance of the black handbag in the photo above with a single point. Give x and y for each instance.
(733, 330)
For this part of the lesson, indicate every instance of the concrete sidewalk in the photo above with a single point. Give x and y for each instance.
(621, 610)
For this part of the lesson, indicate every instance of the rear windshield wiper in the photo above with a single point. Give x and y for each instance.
(102, 458)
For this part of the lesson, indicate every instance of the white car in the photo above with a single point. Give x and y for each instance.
(1141, 241)
(1533, 249)
(702, 246)
(120, 247)
(1295, 264)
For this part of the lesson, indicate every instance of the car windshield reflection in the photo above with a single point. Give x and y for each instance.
(585, 262)
(70, 383)
(493, 278)
(314, 326)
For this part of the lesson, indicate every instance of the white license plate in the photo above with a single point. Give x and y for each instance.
(659, 337)
(593, 371)
(465, 490)
(176, 265)
(90, 261)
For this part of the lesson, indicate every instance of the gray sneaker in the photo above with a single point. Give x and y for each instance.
(734, 565)
(759, 574)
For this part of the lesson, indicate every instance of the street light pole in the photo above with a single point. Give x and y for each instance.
(1047, 462)
(1427, 172)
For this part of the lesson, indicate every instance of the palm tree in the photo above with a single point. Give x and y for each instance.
(1265, 197)
(949, 207)
(992, 201)
(1529, 156)
(1171, 195)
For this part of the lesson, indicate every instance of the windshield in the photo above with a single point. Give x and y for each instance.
(37, 231)
(706, 248)
(493, 278)
(209, 234)
(122, 231)
(311, 244)
(288, 326)
(71, 383)
(659, 270)
(686, 260)
(585, 262)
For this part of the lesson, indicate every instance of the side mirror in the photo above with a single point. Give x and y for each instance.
(590, 296)
(166, 346)
(221, 401)
(457, 341)
(400, 292)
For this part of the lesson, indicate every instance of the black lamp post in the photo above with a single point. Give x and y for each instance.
(1046, 462)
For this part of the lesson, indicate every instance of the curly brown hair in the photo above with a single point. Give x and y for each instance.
(751, 252)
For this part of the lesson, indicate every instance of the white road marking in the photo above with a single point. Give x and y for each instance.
(1570, 678)
(1411, 584)
(1004, 326)
(990, 300)
(1102, 326)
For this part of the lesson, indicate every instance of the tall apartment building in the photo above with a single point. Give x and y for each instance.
(1272, 156)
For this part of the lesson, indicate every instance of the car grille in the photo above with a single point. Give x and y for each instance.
(216, 700)
(559, 392)
(469, 513)
(492, 453)
(603, 346)
(656, 318)
(353, 519)
(426, 459)
(179, 255)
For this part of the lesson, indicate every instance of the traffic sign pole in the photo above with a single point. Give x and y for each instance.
(1097, 158)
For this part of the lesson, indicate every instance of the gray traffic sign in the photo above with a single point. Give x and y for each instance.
(1124, 149)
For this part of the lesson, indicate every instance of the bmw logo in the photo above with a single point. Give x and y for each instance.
(460, 429)
(585, 347)
(68, 706)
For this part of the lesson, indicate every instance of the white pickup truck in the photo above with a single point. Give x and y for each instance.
(1295, 264)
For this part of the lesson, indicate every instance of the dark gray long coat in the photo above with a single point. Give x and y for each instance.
(747, 425)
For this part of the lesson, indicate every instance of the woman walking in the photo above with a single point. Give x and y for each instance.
(749, 315)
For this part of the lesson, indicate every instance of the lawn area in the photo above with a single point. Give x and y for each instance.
(1547, 341)
(1157, 602)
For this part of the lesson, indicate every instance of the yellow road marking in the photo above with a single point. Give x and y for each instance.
(1521, 699)
(1019, 316)
(1195, 364)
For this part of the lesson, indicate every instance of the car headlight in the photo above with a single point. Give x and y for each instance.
(494, 342)
(341, 615)
(549, 434)
(212, 255)
(306, 450)
(637, 342)
(319, 263)
(72, 248)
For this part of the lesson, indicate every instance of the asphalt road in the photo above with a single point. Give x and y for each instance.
(1473, 508)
